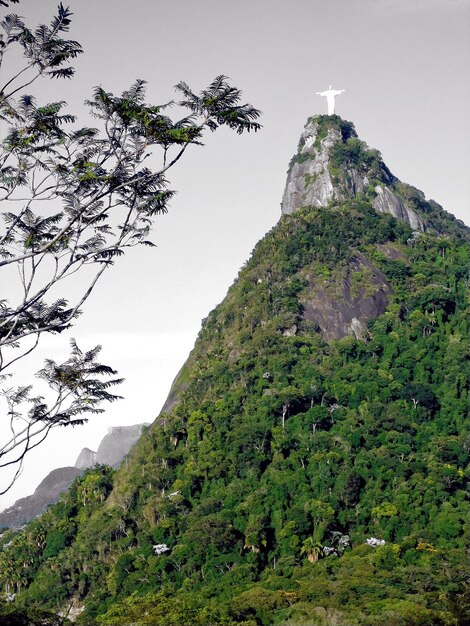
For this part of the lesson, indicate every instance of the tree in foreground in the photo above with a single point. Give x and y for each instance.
(73, 200)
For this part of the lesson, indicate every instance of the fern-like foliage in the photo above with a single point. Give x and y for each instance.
(218, 104)
(78, 198)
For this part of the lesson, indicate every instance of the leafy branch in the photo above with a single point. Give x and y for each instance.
(76, 198)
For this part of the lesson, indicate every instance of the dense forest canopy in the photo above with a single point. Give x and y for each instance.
(294, 480)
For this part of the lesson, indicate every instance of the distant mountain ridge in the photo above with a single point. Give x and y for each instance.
(111, 450)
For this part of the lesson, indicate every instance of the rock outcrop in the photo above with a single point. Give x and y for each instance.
(333, 165)
(387, 201)
(346, 308)
(117, 443)
(86, 458)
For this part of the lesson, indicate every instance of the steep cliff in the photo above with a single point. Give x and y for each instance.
(86, 458)
(333, 165)
(117, 443)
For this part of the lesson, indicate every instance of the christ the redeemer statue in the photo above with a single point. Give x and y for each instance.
(330, 98)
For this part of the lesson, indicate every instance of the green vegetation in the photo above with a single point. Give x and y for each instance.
(12, 616)
(436, 218)
(323, 122)
(354, 151)
(310, 179)
(251, 502)
(299, 158)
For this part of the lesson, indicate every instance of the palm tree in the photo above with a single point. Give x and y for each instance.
(312, 548)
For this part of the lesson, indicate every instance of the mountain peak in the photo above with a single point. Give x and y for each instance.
(86, 459)
(333, 165)
(315, 436)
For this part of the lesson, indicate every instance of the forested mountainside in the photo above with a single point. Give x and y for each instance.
(311, 463)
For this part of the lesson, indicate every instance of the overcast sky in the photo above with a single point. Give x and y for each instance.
(405, 67)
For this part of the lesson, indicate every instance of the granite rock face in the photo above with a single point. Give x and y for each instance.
(333, 165)
(388, 202)
(345, 308)
(309, 182)
(117, 443)
(112, 449)
(86, 458)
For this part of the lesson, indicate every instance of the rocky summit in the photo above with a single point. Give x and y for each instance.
(310, 466)
(333, 165)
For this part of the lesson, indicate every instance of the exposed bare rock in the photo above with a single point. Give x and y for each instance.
(86, 458)
(345, 309)
(72, 610)
(117, 443)
(388, 202)
(309, 181)
(290, 332)
(177, 387)
(332, 165)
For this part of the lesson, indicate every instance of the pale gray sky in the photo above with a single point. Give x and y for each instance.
(405, 69)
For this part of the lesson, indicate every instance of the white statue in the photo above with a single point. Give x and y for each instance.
(330, 94)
